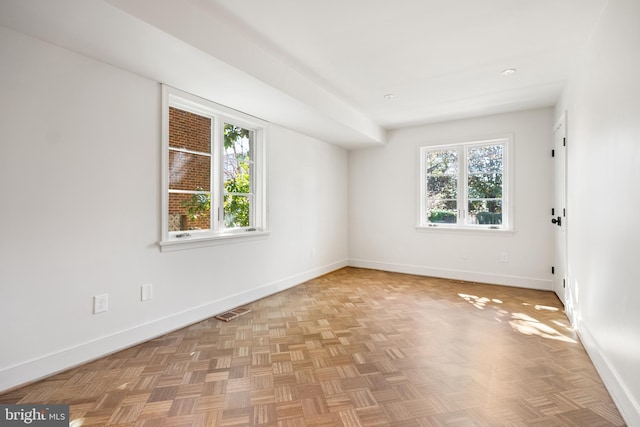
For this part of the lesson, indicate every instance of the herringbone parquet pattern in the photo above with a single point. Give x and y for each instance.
(352, 348)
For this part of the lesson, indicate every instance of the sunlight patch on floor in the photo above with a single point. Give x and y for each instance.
(522, 322)
(546, 307)
(527, 325)
(563, 325)
(478, 302)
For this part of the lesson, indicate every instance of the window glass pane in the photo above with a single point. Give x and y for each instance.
(188, 171)
(443, 211)
(237, 141)
(485, 211)
(442, 162)
(485, 186)
(189, 131)
(189, 211)
(238, 179)
(237, 210)
(485, 159)
(442, 186)
(237, 175)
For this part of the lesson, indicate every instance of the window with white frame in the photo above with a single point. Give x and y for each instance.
(213, 172)
(465, 185)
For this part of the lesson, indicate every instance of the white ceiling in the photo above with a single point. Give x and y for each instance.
(442, 59)
(323, 67)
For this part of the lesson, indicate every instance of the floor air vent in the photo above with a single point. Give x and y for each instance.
(233, 314)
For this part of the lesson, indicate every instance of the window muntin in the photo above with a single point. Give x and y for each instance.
(214, 170)
(465, 185)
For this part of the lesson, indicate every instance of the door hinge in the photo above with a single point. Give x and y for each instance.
(553, 212)
(553, 270)
(553, 153)
(564, 212)
(564, 142)
(564, 283)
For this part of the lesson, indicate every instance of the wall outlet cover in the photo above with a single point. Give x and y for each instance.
(100, 303)
(146, 292)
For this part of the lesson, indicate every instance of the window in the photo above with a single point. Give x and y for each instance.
(214, 173)
(465, 185)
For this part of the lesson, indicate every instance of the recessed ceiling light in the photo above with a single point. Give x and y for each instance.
(509, 72)
(389, 96)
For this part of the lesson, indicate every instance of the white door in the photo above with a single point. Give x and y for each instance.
(559, 211)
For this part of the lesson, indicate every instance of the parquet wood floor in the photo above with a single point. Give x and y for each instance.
(352, 348)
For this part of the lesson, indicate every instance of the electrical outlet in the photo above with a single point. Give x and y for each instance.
(504, 257)
(146, 292)
(100, 303)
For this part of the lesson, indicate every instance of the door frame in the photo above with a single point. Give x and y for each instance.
(560, 283)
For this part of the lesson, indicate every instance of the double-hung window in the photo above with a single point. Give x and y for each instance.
(465, 185)
(213, 173)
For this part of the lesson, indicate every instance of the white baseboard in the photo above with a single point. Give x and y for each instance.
(44, 366)
(629, 407)
(471, 276)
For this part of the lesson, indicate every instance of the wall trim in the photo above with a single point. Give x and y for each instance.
(629, 408)
(470, 276)
(36, 369)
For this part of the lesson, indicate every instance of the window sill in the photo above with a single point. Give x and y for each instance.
(201, 241)
(468, 230)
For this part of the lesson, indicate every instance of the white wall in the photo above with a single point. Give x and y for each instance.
(602, 102)
(80, 214)
(383, 195)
